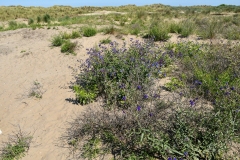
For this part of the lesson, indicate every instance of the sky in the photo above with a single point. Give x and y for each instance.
(75, 3)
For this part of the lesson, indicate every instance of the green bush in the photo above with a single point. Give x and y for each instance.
(151, 132)
(57, 40)
(175, 28)
(65, 35)
(30, 21)
(105, 41)
(159, 33)
(187, 28)
(135, 122)
(174, 84)
(68, 47)
(39, 19)
(12, 24)
(46, 18)
(16, 148)
(85, 96)
(209, 29)
(231, 33)
(89, 31)
(75, 34)
(135, 28)
(121, 73)
(110, 30)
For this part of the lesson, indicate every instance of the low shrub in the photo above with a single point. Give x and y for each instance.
(39, 19)
(209, 29)
(120, 74)
(231, 33)
(212, 72)
(175, 28)
(105, 41)
(66, 35)
(30, 21)
(151, 133)
(68, 47)
(57, 40)
(16, 147)
(75, 34)
(174, 84)
(110, 30)
(89, 31)
(46, 18)
(159, 33)
(138, 123)
(12, 24)
(85, 95)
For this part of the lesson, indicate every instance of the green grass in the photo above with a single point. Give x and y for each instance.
(57, 40)
(105, 41)
(89, 31)
(68, 47)
(158, 32)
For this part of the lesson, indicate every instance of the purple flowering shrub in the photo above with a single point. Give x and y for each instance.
(139, 124)
(213, 72)
(122, 75)
(151, 132)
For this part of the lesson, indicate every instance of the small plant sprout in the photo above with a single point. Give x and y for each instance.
(36, 90)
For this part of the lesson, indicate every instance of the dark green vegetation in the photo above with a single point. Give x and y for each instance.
(63, 40)
(207, 22)
(134, 122)
(16, 147)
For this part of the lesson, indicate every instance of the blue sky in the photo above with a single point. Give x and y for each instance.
(75, 3)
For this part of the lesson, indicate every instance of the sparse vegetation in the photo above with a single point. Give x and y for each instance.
(105, 41)
(16, 147)
(36, 90)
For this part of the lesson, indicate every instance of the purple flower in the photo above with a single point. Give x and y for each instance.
(156, 96)
(139, 87)
(185, 154)
(124, 98)
(192, 102)
(232, 88)
(214, 102)
(150, 114)
(145, 96)
(227, 93)
(122, 86)
(198, 82)
(138, 108)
